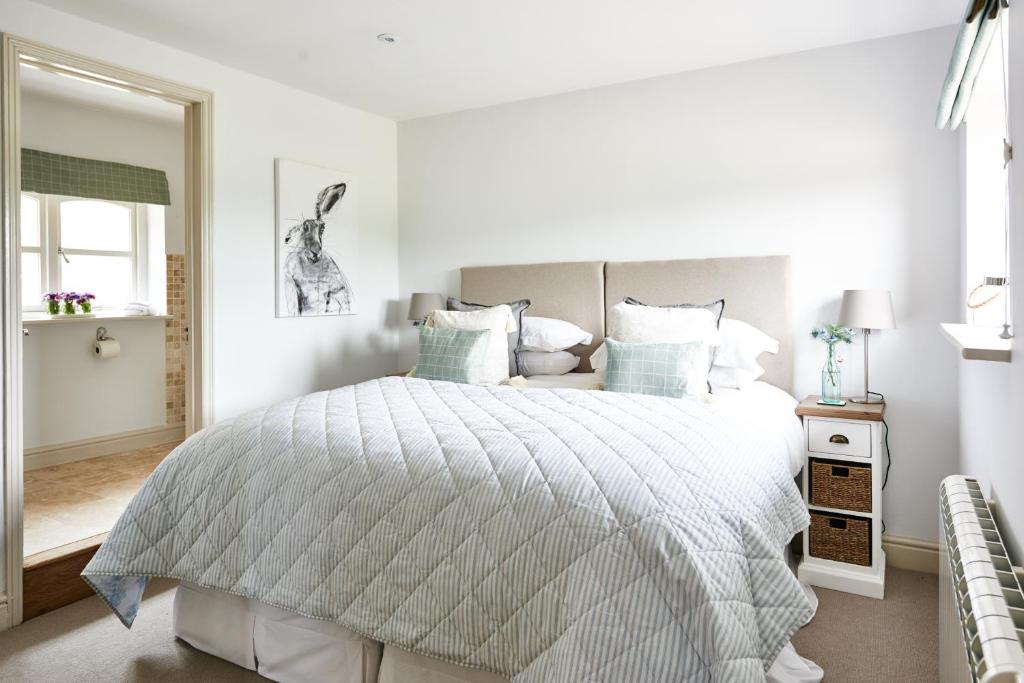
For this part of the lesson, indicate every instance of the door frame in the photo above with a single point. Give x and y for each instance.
(198, 106)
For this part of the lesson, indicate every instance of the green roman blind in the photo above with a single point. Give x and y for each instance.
(48, 173)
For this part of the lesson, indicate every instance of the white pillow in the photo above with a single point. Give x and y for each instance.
(499, 321)
(635, 324)
(547, 362)
(734, 364)
(732, 378)
(550, 334)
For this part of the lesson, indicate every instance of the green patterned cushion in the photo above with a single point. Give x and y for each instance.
(450, 354)
(674, 370)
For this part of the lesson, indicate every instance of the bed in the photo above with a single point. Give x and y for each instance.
(406, 530)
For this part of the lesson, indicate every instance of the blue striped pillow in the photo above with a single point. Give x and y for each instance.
(451, 355)
(674, 370)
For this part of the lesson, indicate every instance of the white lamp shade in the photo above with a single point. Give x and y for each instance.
(422, 304)
(867, 309)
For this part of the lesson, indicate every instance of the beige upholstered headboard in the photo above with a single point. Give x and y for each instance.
(756, 290)
(567, 291)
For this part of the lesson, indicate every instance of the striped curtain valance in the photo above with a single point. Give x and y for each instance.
(980, 25)
(48, 173)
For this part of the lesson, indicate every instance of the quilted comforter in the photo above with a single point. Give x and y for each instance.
(542, 534)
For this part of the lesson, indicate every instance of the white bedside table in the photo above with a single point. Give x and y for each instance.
(842, 482)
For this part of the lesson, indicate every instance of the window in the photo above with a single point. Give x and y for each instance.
(82, 245)
(985, 193)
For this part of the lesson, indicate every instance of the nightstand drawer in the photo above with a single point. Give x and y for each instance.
(839, 438)
(840, 485)
(840, 538)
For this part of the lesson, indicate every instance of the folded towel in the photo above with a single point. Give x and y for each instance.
(137, 308)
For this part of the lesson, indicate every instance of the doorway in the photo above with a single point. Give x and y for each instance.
(66, 488)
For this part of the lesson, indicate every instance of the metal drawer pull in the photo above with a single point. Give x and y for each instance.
(838, 438)
(840, 471)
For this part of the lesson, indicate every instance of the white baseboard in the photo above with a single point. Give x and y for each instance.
(911, 553)
(58, 454)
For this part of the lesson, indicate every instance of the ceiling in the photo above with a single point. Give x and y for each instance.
(461, 54)
(73, 91)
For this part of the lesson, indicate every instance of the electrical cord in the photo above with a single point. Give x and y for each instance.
(888, 453)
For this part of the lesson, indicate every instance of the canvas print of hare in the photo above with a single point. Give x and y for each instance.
(315, 240)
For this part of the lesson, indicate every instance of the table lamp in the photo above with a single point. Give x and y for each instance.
(868, 309)
(422, 304)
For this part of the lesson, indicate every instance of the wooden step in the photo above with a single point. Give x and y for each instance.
(52, 578)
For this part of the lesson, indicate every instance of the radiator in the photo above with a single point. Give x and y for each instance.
(981, 603)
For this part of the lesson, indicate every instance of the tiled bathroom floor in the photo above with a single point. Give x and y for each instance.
(72, 502)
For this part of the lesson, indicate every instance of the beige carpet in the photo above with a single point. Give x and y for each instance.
(85, 642)
(855, 639)
(859, 639)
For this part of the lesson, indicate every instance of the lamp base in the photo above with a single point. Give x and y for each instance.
(870, 400)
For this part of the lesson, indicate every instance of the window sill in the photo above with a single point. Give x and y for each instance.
(44, 319)
(978, 343)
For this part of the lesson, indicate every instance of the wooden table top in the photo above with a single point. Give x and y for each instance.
(851, 411)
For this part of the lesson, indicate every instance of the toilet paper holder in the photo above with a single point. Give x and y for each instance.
(105, 347)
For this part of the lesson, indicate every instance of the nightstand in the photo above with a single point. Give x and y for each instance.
(842, 482)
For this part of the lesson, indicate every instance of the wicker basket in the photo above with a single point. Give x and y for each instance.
(840, 538)
(841, 486)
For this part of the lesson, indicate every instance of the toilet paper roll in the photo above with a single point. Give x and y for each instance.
(107, 348)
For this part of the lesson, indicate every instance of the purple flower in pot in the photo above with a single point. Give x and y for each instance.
(85, 301)
(70, 301)
(52, 301)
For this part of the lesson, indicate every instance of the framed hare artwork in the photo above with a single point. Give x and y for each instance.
(316, 240)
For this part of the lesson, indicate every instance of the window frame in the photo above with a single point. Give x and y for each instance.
(50, 247)
(984, 175)
(41, 250)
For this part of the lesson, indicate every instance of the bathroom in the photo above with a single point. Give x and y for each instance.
(105, 336)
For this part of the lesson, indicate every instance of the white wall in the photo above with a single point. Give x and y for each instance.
(258, 359)
(830, 156)
(992, 394)
(70, 395)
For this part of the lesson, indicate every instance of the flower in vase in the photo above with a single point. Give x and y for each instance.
(70, 301)
(52, 301)
(85, 301)
(833, 333)
(831, 376)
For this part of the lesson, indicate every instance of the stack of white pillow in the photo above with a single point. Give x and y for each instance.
(545, 343)
(499, 321)
(542, 348)
(734, 364)
(733, 345)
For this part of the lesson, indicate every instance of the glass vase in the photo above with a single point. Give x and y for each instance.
(831, 379)
(53, 307)
(69, 308)
(86, 306)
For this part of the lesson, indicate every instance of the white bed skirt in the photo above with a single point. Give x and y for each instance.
(277, 644)
(284, 646)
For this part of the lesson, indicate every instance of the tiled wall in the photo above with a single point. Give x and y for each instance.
(175, 339)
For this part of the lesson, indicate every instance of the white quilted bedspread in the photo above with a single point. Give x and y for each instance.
(544, 534)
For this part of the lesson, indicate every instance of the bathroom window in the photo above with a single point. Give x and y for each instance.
(72, 244)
